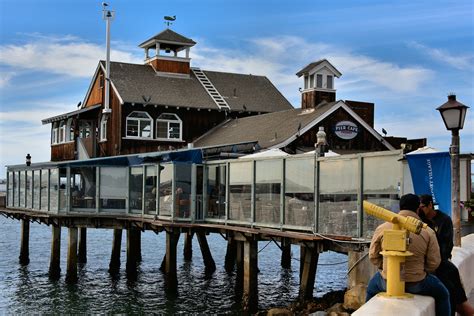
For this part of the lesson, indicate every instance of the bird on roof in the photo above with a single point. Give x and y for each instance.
(384, 132)
(244, 107)
(79, 104)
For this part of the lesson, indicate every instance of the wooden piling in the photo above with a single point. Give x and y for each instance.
(210, 265)
(171, 279)
(133, 251)
(250, 285)
(239, 263)
(230, 254)
(71, 270)
(309, 258)
(188, 246)
(285, 253)
(54, 262)
(114, 265)
(82, 251)
(25, 242)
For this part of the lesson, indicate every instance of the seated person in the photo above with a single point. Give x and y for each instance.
(447, 272)
(418, 267)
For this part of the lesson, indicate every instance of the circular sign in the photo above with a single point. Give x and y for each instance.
(346, 130)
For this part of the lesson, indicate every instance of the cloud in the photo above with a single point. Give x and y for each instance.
(66, 55)
(5, 78)
(461, 62)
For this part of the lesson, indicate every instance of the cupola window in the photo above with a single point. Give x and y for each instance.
(319, 80)
(139, 125)
(329, 82)
(169, 127)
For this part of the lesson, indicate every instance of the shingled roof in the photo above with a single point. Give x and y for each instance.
(315, 64)
(170, 37)
(268, 129)
(135, 82)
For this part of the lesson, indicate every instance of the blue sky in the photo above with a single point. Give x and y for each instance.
(404, 56)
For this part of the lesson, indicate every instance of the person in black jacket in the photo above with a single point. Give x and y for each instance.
(447, 272)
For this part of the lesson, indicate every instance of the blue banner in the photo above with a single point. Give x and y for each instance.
(431, 174)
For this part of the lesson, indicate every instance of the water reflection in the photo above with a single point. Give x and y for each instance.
(28, 289)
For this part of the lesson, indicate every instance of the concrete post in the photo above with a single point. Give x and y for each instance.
(250, 285)
(308, 274)
(206, 253)
(54, 262)
(71, 271)
(82, 252)
(114, 266)
(285, 253)
(25, 242)
(360, 272)
(188, 246)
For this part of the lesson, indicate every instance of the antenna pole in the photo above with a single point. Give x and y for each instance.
(108, 16)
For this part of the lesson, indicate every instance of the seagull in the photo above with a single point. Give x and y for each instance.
(384, 132)
(79, 104)
(146, 99)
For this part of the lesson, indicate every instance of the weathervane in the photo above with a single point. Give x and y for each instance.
(169, 20)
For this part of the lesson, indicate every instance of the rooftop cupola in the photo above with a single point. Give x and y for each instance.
(318, 83)
(164, 59)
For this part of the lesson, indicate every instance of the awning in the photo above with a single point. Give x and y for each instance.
(68, 115)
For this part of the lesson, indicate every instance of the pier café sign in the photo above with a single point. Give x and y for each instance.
(346, 130)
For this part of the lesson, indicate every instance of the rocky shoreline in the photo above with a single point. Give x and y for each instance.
(330, 304)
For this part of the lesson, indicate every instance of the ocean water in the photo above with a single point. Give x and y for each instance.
(28, 290)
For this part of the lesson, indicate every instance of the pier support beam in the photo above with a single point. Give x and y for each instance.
(239, 263)
(250, 288)
(285, 253)
(171, 279)
(133, 251)
(54, 262)
(308, 274)
(230, 254)
(359, 273)
(188, 246)
(82, 252)
(210, 265)
(71, 270)
(25, 242)
(114, 265)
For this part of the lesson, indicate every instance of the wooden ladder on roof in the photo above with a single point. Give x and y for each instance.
(211, 90)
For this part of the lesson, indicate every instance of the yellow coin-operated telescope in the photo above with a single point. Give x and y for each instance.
(394, 245)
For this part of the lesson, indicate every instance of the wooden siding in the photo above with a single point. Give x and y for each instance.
(173, 66)
(363, 142)
(364, 109)
(311, 99)
(96, 95)
(62, 152)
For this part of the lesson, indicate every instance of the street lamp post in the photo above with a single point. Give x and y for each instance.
(453, 114)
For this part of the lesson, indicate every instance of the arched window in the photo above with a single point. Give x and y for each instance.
(70, 130)
(54, 133)
(169, 127)
(62, 132)
(139, 125)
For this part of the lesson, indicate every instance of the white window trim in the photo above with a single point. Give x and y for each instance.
(55, 133)
(68, 131)
(103, 129)
(178, 120)
(139, 121)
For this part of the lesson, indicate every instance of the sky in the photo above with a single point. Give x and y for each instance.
(404, 56)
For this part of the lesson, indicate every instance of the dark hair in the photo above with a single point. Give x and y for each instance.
(409, 202)
(426, 199)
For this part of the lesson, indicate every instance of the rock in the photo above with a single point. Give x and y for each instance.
(355, 297)
(335, 309)
(279, 312)
(319, 313)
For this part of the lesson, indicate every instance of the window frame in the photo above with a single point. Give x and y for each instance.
(140, 120)
(55, 133)
(319, 83)
(168, 121)
(103, 129)
(329, 78)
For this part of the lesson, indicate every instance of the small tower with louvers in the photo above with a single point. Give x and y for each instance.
(318, 83)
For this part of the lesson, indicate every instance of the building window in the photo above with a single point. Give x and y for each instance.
(139, 125)
(70, 130)
(311, 81)
(103, 128)
(54, 133)
(319, 80)
(329, 82)
(101, 80)
(62, 132)
(169, 127)
(306, 82)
